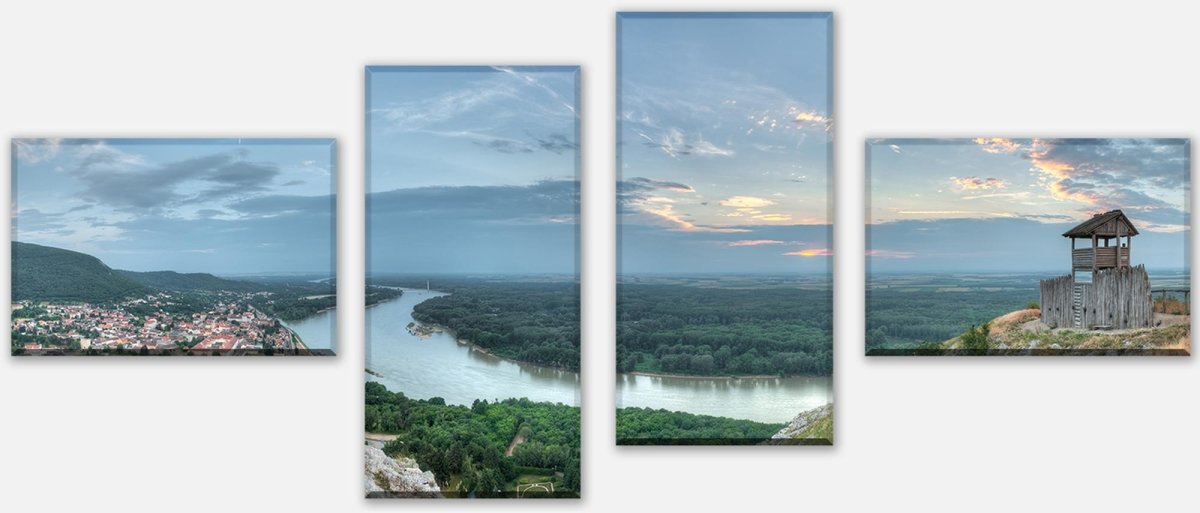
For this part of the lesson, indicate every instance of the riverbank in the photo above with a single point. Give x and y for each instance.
(436, 366)
(424, 330)
(297, 342)
(701, 376)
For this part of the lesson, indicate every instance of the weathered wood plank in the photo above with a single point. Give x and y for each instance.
(1117, 298)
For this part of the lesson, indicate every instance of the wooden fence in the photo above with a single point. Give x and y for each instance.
(1116, 298)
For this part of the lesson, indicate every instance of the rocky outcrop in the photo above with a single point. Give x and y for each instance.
(388, 477)
(803, 422)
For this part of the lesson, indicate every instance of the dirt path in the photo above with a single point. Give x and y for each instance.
(381, 437)
(517, 440)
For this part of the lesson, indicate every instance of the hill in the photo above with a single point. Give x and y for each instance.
(44, 273)
(812, 427)
(1022, 332)
(171, 280)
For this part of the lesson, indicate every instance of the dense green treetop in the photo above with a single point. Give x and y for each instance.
(638, 426)
(687, 329)
(469, 442)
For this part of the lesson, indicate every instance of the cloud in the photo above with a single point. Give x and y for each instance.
(556, 143)
(1104, 174)
(884, 253)
(754, 242)
(1022, 194)
(541, 202)
(499, 107)
(506, 146)
(952, 213)
(894, 148)
(811, 252)
(997, 144)
(34, 151)
(810, 118)
(681, 221)
(746, 202)
(675, 144)
(199, 179)
(650, 183)
(972, 182)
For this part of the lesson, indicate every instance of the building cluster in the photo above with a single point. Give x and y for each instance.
(226, 326)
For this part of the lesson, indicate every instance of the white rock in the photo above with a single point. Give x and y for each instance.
(384, 476)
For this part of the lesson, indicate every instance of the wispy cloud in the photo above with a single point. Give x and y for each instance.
(974, 182)
(34, 151)
(675, 144)
(884, 253)
(754, 242)
(498, 111)
(746, 202)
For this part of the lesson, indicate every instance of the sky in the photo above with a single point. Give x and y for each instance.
(723, 143)
(998, 204)
(473, 170)
(227, 207)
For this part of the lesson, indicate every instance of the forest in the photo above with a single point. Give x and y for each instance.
(902, 316)
(464, 446)
(646, 426)
(530, 321)
(43, 273)
(686, 329)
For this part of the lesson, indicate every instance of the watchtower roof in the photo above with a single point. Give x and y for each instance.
(1107, 225)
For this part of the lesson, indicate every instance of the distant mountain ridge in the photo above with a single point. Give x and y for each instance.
(171, 280)
(44, 273)
(50, 274)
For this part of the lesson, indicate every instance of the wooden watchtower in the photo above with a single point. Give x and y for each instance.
(1104, 228)
(1117, 295)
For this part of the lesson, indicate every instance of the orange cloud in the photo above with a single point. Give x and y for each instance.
(805, 118)
(746, 202)
(1060, 171)
(810, 252)
(667, 213)
(974, 182)
(998, 144)
(773, 218)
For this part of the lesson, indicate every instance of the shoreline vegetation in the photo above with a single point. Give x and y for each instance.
(425, 330)
(718, 377)
(504, 330)
(657, 426)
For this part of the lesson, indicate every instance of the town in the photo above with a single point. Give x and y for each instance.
(227, 325)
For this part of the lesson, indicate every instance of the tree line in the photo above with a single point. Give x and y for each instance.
(637, 426)
(900, 319)
(535, 322)
(686, 329)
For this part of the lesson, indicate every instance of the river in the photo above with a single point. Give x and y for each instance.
(761, 399)
(440, 366)
(317, 331)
